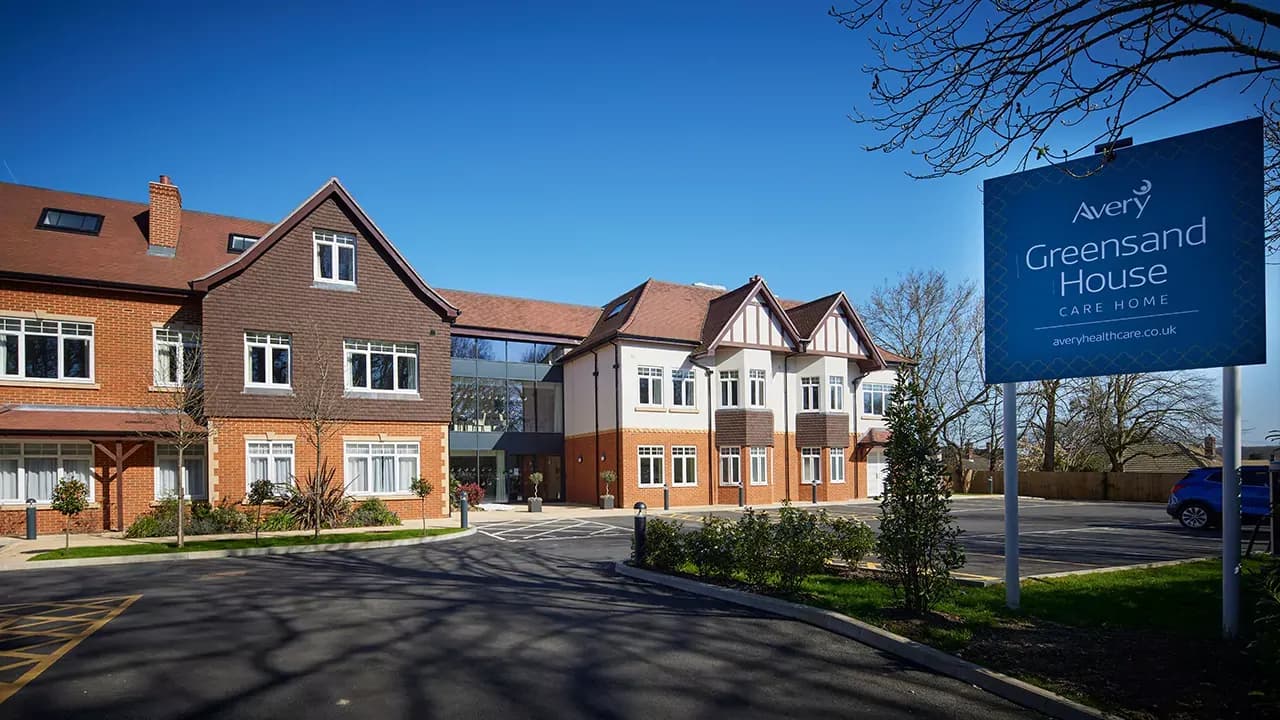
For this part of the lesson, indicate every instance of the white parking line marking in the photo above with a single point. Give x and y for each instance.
(559, 529)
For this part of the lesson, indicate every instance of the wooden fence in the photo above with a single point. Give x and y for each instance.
(1119, 486)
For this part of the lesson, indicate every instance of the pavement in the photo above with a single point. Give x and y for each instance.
(481, 628)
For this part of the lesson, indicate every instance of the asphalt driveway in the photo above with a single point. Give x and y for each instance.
(478, 628)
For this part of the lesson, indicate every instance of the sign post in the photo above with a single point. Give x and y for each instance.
(1148, 259)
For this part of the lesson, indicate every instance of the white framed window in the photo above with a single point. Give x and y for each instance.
(810, 393)
(728, 388)
(650, 386)
(30, 470)
(755, 388)
(381, 468)
(683, 391)
(651, 457)
(875, 398)
(759, 466)
(836, 457)
(335, 258)
(835, 393)
(730, 466)
(270, 460)
(811, 466)
(46, 349)
(267, 360)
(684, 466)
(194, 461)
(175, 356)
(381, 366)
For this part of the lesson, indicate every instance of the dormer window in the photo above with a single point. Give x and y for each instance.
(335, 258)
(617, 308)
(70, 221)
(237, 243)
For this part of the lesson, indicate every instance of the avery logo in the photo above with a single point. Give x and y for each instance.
(1114, 208)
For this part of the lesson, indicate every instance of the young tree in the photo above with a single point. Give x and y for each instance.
(180, 405)
(260, 491)
(70, 497)
(422, 488)
(918, 537)
(965, 83)
(319, 405)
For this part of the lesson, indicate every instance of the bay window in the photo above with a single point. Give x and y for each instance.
(46, 349)
(836, 456)
(30, 470)
(810, 394)
(730, 466)
(729, 388)
(835, 393)
(375, 468)
(811, 466)
(759, 466)
(755, 388)
(381, 366)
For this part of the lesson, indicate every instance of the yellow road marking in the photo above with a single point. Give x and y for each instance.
(11, 616)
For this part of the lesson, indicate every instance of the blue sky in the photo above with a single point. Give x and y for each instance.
(558, 150)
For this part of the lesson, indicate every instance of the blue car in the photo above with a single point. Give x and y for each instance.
(1196, 501)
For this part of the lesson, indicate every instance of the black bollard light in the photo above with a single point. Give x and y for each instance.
(666, 497)
(462, 508)
(742, 494)
(31, 518)
(641, 521)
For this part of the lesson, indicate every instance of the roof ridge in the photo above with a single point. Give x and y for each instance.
(518, 297)
(635, 304)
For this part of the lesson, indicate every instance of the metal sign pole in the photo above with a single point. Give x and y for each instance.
(1012, 579)
(1230, 502)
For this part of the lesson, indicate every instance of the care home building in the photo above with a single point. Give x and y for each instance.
(110, 309)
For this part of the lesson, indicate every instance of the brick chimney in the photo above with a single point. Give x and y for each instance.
(1209, 446)
(165, 217)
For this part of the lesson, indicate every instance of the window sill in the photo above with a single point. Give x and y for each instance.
(164, 388)
(387, 496)
(760, 484)
(380, 395)
(651, 408)
(837, 482)
(333, 285)
(12, 505)
(870, 417)
(62, 384)
(650, 487)
(158, 503)
(684, 410)
(684, 485)
(269, 391)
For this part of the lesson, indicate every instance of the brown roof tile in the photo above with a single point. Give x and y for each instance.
(503, 313)
(88, 422)
(806, 317)
(118, 254)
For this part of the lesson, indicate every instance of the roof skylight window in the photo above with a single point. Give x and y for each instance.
(617, 308)
(237, 243)
(70, 221)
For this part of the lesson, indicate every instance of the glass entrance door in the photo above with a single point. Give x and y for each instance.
(484, 468)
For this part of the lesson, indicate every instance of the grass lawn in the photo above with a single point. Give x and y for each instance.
(149, 548)
(1142, 643)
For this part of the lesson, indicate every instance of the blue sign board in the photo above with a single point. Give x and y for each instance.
(1152, 261)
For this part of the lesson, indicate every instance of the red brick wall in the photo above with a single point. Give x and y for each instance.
(122, 340)
(228, 462)
(139, 492)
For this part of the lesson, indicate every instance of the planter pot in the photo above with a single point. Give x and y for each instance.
(535, 504)
(606, 502)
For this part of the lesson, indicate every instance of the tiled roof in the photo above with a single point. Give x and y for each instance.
(118, 254)
(25, 420)
(500, 312)
(806, 317)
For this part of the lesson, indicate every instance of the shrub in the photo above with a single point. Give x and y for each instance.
(801, 547)
(318, 502)
(280, 520)
(372, 512)
(755, 536)
(70, 497)
(665, 547)
(475, 493)
(259, 492)
(146, 526)
(209, 520)
(1266, 625)
(713, 548)
(851, 540)
(162, 521)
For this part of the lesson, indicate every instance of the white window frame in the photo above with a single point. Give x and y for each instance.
(17, 453)
(181, 342)
(335, 241)
(810, 394)
(729, 389)
(688, 395)
(270, 342)
(650, 379)
(756, 381)
(730, 466)
(811, 466)
(193, 451)
(835, 393)
(759, 466)
(836, 464)
(63, 330)
(684, 466)
(271, 451)
(652, 457)
(873, 394)
(368, 451)
(369, 348)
